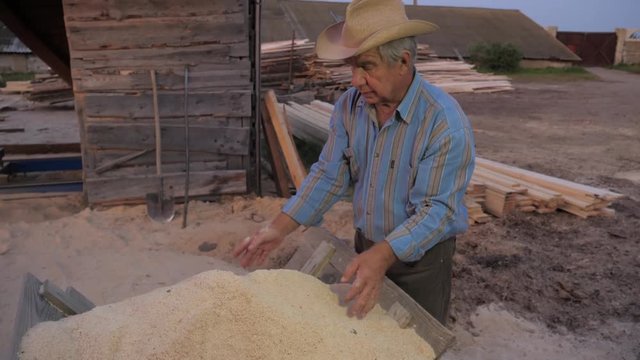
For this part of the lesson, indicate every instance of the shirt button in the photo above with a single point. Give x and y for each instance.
(377, 155)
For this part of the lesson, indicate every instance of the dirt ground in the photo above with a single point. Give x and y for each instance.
(573, 275)
(529, 286)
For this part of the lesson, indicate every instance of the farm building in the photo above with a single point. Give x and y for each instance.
(460, 29)
(15, 56)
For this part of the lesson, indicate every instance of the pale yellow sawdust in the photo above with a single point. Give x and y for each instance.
(268, 314)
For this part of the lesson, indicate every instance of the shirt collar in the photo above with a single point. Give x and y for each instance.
(407, 102)
(402, 111)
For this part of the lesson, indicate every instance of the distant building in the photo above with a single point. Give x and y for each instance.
(460, 29)
(15, 56)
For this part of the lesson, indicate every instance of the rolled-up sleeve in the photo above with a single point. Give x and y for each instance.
(328, 178)
(437, 195)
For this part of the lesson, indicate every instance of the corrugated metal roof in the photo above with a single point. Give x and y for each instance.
(10, 44)
(460, 28)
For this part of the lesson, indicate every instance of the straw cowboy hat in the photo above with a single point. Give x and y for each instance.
(368, 24)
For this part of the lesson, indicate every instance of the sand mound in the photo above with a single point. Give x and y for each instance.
(268, 314)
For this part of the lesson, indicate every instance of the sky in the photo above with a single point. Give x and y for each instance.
(568, 15)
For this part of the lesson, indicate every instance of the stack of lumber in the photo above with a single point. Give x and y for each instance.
(337, 75)
(450, 75)
(546, 193)
(16, 87)
(474, 199)
(286, 64)
(51, 89)
(458, 76)
(495, 188)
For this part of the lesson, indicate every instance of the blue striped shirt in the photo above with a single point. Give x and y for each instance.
(409, 176)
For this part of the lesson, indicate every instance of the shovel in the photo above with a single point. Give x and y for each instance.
(159, 205)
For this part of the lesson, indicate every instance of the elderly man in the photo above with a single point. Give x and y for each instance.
(408, 149)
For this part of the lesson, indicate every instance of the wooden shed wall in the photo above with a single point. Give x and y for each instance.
(113, 45)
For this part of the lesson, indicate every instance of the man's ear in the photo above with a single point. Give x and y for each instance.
(406, 62)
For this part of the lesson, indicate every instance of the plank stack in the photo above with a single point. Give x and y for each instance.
(49, 89)
(293, 65)
(285, 63)
(495, 188)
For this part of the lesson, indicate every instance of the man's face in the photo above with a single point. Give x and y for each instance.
(375, 79)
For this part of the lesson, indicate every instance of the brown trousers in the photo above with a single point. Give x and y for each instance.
(428, 280)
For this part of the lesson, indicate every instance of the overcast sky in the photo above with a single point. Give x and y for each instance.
(568, 15)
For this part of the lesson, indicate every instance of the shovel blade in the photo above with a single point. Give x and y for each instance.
(160, 208)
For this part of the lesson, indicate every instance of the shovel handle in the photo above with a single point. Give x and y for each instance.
(156, 119)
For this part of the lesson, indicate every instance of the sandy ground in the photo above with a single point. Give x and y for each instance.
(528, 286)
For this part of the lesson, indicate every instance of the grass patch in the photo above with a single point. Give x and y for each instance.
(632, 68)
(15, 76)
(573, 73)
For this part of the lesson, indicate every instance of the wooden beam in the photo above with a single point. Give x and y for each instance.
(279, 122)
(275, 155)
(34, 42)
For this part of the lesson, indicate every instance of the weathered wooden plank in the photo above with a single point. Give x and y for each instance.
(224, 55)
(155, 32)
(141, 136)
(200, 78)
(101, 190)
(101, 157)
(218, 56)
(203, 120)
(226, 103)
(168, 168)
(89, 10)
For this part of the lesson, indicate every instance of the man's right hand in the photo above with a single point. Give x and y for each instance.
(255, 249)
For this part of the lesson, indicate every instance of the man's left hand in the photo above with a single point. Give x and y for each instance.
(368, 269)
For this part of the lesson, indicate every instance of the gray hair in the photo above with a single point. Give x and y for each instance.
(392, 51)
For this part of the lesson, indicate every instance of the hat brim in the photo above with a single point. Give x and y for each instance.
(329, 44)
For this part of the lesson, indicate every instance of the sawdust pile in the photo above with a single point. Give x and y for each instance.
(268, 314)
